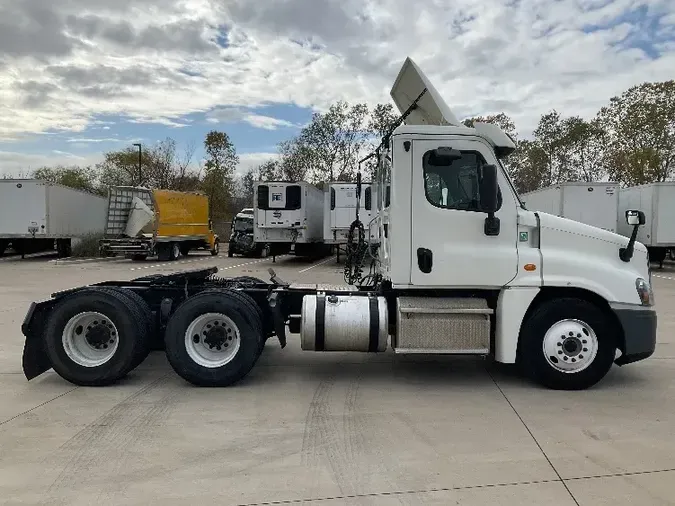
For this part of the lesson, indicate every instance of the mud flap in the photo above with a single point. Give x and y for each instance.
(35, 360)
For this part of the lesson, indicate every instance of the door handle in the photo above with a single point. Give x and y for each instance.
(425, 260)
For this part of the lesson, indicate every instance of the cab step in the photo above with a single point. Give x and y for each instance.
(442, 325)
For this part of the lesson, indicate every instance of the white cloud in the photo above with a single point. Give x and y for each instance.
(67, 61)
(87, 140)
(236, 114)
(15, 164)
(251, 160)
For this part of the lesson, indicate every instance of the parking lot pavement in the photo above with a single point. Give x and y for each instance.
(331, 428)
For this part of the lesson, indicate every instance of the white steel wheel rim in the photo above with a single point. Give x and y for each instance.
(570, 346)
(176, 250)
(212, 340)
(216, 247)
(90, 339)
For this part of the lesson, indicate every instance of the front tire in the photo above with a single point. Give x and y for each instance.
(213, 338)
(567, 344)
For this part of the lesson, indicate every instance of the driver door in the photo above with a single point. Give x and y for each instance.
(449, 244)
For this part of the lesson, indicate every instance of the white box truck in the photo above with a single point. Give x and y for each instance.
(464, 269)
(289, 217)
(36, 216)
(594, 203)
(657, 201)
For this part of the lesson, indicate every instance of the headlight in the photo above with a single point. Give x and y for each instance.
(644, 291)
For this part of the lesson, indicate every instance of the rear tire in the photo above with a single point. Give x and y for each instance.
(567, 344)
(216, 249)
(95, 336)
(174, 251)
(153, 341)
(205, 322)
(164, 252)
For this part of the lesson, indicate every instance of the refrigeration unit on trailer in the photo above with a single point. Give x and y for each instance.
(593, 203)
(143, 222)
(36, 215)
(657, 201)
(289, 217)
(463, 268)
(339, 213)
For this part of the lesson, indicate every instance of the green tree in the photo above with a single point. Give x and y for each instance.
(80, 178)
(640, 126)
(218, 183)
(583, 143)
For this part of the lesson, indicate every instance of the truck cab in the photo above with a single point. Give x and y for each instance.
(242, 241)
(452, 226)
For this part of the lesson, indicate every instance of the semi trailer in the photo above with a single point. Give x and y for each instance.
(143, 222)
(657, 201)
(340, 211)
(36, 216)
(594, 203)
(463, 268)
(288, 216)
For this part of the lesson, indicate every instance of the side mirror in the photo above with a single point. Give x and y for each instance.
(489, 189)
(635, 218)
(444, 156)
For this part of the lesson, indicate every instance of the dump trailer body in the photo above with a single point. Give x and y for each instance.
(594, 204)
(36, 211)
(140, 221)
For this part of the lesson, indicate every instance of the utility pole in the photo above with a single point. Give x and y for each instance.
(140, 174)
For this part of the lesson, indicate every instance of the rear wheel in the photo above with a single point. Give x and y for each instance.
(213, 338)
(95, 336)
(175, 251)
(216, 248)
(567, 344)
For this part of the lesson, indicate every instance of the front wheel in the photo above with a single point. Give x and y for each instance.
(567, 344)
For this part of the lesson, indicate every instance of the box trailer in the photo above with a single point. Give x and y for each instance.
(36, 215)
(657, 201)
(289, 217)
(143, 222)
(593, 203)
(464, 269)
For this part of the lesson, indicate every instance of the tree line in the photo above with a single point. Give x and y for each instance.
(631, 140)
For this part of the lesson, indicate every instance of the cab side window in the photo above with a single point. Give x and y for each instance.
(455, 185)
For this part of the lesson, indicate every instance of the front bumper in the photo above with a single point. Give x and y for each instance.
(639, 333)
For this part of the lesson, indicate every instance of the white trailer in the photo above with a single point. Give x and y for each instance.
(594, 203)
(289, 217)
(339, 211)
(463, 269)
(36, 215)
(657, 201)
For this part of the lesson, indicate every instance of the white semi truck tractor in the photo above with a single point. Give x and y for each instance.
(463, 268)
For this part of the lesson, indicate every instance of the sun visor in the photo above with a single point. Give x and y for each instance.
(431, 109)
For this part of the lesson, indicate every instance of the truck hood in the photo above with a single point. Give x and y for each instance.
(564, 225)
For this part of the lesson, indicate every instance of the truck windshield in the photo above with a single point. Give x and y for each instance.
(243, 224)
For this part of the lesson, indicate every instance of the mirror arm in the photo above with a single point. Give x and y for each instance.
(625, 254)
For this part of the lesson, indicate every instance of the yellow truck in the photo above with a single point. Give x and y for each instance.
(142, 222)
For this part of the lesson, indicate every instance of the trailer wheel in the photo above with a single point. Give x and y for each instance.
(95, 336)
(211, 340)
(567, 344)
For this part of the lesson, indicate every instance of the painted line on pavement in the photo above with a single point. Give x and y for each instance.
(316, 265)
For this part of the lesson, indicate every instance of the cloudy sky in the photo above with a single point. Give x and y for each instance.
(80, 77)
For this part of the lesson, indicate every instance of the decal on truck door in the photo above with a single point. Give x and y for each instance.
(277, 197)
